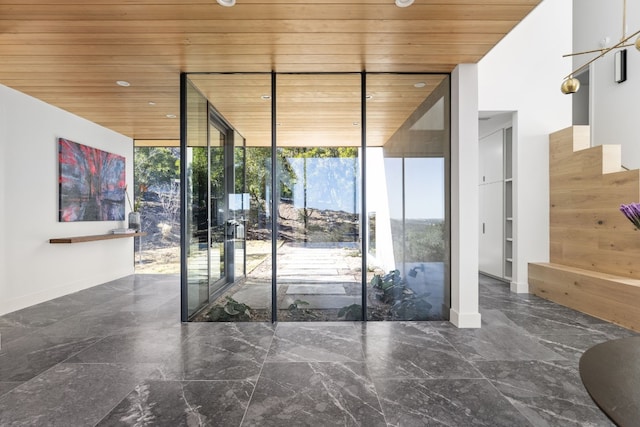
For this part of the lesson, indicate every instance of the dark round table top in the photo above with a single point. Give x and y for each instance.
(611, 374)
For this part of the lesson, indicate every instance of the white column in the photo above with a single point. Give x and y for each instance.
(464, 197)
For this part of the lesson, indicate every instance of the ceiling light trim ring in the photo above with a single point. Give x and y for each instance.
(404, 3)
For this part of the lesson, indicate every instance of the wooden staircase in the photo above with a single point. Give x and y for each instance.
(594, 250)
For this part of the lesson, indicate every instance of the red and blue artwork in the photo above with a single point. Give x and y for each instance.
(92, 183)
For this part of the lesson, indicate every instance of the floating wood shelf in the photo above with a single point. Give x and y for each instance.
(94, 238)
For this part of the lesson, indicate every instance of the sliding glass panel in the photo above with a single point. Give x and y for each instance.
(318, 139)
(407, 196)
(196, 159)
(239, 207)
(242, 238)
(218, 209)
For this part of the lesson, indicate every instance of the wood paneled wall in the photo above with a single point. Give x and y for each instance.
(587, 187)
(594, 249)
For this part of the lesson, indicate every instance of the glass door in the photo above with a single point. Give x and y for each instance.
(195, 196)
(210, 231)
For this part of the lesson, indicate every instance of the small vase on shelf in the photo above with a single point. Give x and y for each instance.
(134, 221)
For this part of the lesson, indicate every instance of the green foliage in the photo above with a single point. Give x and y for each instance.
(298, 313)
(351, 312)
(419, 241)
(410, 306)
(257, 171)
(232, 310)
(388, 286)
(155, 166)
(404, 303)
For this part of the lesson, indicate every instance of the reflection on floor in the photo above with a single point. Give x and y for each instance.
(116, 354)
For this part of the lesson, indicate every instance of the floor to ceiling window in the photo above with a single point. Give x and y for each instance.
(407, 196)
(351, 224)
(318, 139)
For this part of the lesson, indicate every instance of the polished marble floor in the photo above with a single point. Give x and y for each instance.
(117, 355)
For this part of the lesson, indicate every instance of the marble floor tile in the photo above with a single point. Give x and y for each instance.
(135, 347)
(162, 317)
(445, 402)
(182, 403)
(100, 294)
(512, 302)
(544, 391)
(10, 330)
(6, 386)
(532, 378)
(542, 320)
(412, 350)
(100, 322)
(25, 358)
(316, 342)
(571, 347)
(498, 339)
(46, 313)
(221, 351)
(612, 332)
(314, 394)
(70, 395)
(551, 412)
(118, 354)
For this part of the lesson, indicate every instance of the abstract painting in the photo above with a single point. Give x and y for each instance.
(92, 183)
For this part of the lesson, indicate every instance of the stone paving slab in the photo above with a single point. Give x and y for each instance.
(299, 280)
(256, 297)
(323, 301)
(315, 274)
(327, 289)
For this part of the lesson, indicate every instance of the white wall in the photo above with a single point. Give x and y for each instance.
(523, 74)
(33, 270)
(378, 202)
(613, 106)
(3, 204)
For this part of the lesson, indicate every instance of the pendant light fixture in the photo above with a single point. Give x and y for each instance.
(570, 84)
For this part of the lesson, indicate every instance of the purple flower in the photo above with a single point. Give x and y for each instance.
(632, 212)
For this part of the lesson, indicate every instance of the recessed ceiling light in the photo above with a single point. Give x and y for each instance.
(171, 116)
(266, 97)
(152, 103)
(123, 83)
(404, 3)
(419, 84)
(356, 123)
(369, 97)
(226, 3)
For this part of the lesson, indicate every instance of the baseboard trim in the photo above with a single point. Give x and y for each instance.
(519, 288)
(465, 320)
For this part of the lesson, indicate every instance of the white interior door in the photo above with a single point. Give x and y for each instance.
(491, 193)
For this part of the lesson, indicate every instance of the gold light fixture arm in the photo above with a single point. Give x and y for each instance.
(603, 52)
(591, 51)
(571, 84)
(624, 19)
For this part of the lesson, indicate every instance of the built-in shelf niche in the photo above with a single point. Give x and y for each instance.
(508, 203)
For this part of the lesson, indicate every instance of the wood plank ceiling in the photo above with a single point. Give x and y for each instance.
(70, 53)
